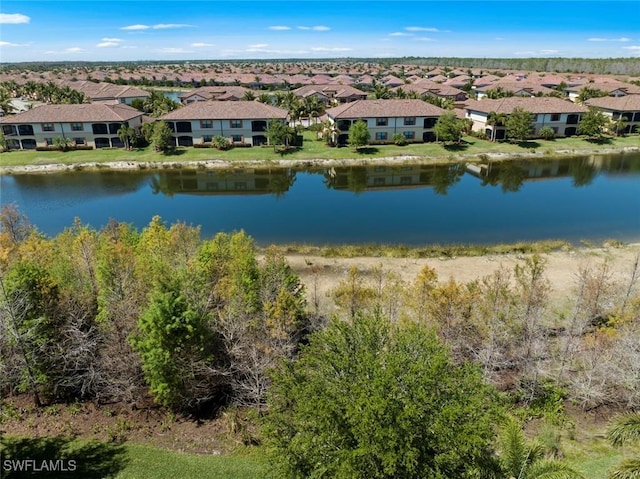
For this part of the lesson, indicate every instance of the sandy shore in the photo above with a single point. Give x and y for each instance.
(300, 163)
(321, 274)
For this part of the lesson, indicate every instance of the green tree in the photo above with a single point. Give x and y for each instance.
(172, 341)
(359, 134)
(547, 133)
(593, 123)
(495, 119)
(279, 134)
(625, 429)
(448, 128)
(589, 92)
(161, 137)
(527, 460)
(126, 135)
(368, 398)
(62, 143)
(519, 124)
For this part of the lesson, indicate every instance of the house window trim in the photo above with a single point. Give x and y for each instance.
(409, 121)
(206, 124)
(77, 126)
(235, 123)
(48, 127)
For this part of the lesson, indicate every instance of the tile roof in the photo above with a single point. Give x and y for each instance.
(83, 113)
(384, 109)
(621, 103)
(534, 105)
(225, 110)
(219, 92)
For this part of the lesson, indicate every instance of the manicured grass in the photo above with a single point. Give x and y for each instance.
(472, 149)
(145, 461)
(93, 459)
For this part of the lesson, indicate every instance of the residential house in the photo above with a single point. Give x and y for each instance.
(514, 88)
(414, 119)
(626, 108)
(612, 88)
(220, 93)
(562, 116)
(333, 93)
(88, 124)
(241, 122)
(427, 88)
(104, 92)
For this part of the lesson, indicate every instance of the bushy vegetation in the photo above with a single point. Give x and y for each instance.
(397, 379)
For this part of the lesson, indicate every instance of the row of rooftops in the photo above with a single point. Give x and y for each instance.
(100, 112)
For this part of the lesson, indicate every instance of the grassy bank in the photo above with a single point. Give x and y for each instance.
(433, 251)
(472, 149)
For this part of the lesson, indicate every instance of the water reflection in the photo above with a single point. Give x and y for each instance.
(510, 176)
(579, 198)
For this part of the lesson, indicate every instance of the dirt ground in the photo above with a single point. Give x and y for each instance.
(321, 274)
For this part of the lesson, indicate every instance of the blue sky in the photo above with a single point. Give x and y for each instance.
(221, 30)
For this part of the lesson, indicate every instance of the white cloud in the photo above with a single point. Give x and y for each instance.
(424, 39)
(400, 34)
(136, 27)
(162, 26)
(14, 18)
(633, 48)
(421, 29)
(499, 39)
(549, 52)
(109, 42)
(8, 44)
(279, 27)
(316, 28)
(201, 45)
(334, 49)
(74, 50)
(259, 45)
(600, 39)
(174, 50)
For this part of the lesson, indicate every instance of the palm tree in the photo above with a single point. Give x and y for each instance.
(330, 132)
(522, 460)
(249, 96)
(495, 119)
(625, 429)
(125, 133)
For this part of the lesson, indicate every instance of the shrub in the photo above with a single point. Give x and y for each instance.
(399, 139)
(547, 133)
(221, 143)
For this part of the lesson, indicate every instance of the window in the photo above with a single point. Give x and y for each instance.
(207, 138)
(76, 127)
(409, 135)
(378, 181)
(381, 135)
(240, 185)
(99, 129)
(405, 180)
(236, 138)
(382, 121)
(79, 141)
(235, 123)
(47, 127)
(48, 141)
(25, 130)
(409, 120)
(9, 130)
(555, 117)
(206, 123)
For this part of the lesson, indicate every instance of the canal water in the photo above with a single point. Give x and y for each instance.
(587, 198)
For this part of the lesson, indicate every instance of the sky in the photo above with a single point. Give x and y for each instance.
(136, 30)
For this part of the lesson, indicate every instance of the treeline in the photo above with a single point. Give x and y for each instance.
(119, 314)
(115, 313)
(612, 66)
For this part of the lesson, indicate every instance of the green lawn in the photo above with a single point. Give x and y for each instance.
(314, 149)
(145, 461)
(92, 459)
